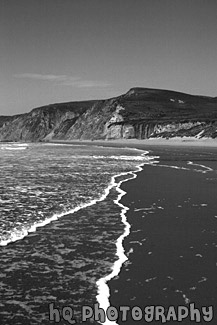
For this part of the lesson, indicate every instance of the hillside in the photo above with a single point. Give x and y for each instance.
(140, 113)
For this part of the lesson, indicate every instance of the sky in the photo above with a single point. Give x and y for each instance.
(69, 50)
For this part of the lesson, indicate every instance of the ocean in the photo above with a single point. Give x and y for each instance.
(82, 225)
(62, 225)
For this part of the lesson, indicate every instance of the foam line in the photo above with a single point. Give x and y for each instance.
(174, 167)
(25, 232)
(103, 288)
(20, 234)
(207, 169)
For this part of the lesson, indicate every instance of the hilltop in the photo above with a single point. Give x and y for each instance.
(140, 113)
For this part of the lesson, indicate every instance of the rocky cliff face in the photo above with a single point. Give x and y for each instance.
(140, 113)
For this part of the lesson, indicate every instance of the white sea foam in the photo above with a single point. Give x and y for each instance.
(150, 279)
(135, 242)
(186, 299)
(14, 146)
(174, 167)
(193, 288)
(207, 169)
(130, 158)
(204, 279)
(103, 288)
(19, 234)
(170, 277)
(141, 209)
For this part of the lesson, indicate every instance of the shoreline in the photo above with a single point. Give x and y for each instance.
(152, 271)
(103, 289)
(146, 143)
(167, 245)
(141, 144)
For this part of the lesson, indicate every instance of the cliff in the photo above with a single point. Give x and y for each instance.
(140, 113)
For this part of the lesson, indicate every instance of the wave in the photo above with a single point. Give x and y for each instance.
(206, 168)
(14, 146)
(130, 158)
(19, 234)
(173, 167)
(103, 288)
(103, 292)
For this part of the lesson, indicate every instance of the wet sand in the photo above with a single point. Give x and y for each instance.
(173, 241)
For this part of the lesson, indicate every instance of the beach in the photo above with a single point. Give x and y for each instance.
(61, 226)
(147, 143)
(172, 244)
(150, 239)
(108, 162)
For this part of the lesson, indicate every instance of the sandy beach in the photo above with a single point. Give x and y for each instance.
(171, 248)
(172, 245)
(147, 143)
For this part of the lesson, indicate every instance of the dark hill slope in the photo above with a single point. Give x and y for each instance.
(41, 121)
(140, 113)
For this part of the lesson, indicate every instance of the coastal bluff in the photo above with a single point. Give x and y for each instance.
(141, 113)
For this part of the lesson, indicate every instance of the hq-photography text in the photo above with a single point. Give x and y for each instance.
(123, 313)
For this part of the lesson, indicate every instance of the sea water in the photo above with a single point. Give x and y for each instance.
(61, 226)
